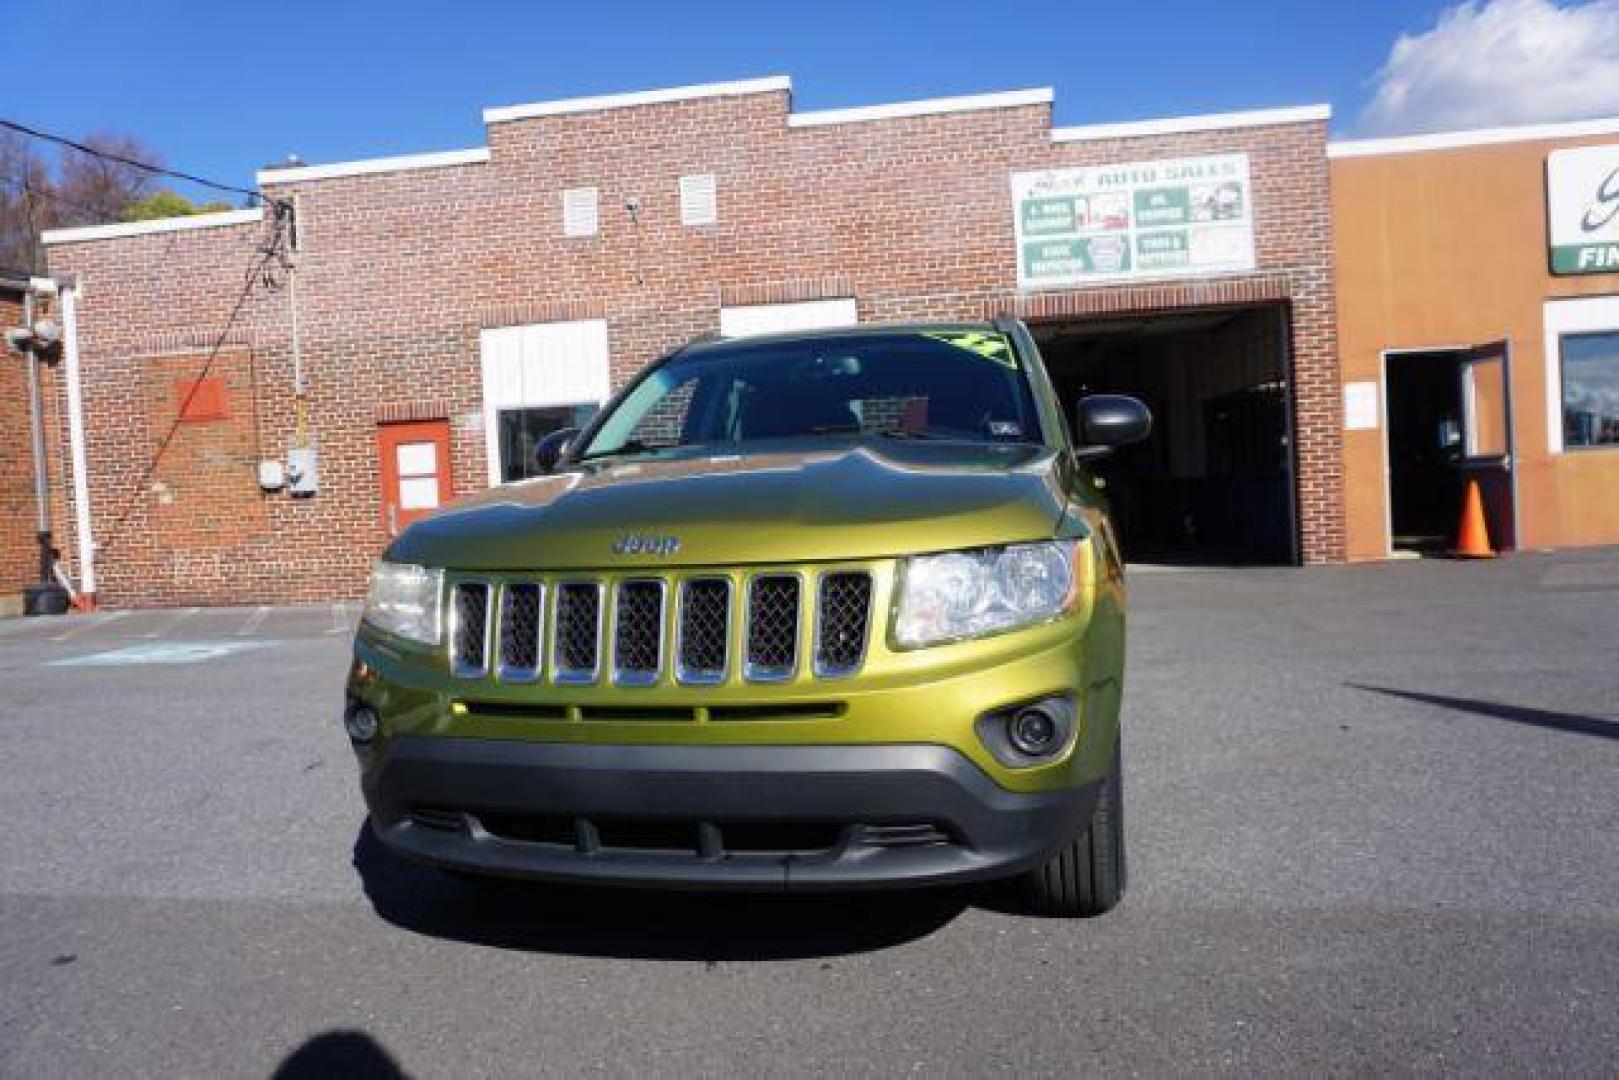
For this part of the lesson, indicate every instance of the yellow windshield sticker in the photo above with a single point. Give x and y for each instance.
(990, 346)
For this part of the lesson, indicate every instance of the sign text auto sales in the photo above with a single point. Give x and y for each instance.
(1582, 197)
(1144, 219)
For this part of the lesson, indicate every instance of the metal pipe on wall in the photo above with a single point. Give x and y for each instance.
(75, 427)
(36, 432)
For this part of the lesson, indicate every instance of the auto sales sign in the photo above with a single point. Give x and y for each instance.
(1582, 205)
(1142, 219)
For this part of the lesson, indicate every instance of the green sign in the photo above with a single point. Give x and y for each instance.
(1162, 206)
(1147, 219)
(1079, 255)
(1582, 209)
(1041, 217)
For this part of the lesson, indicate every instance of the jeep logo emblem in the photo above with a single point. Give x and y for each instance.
(646, 544)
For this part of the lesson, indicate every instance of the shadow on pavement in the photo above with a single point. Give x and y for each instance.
(639, 923)
(1519, 714)
(350, 1054)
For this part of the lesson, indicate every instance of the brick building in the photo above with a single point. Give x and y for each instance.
(19, 559)
(444, 310)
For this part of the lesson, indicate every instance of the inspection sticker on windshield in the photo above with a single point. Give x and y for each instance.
(990, 346)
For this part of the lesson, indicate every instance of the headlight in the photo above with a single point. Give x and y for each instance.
(964, 594)
(404, 600)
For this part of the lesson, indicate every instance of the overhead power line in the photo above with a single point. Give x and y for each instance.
(134, 163)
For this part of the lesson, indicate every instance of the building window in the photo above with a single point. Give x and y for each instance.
(520, 431)
(1590, 389)
(580, 216)
(698, 203)
(536, 379)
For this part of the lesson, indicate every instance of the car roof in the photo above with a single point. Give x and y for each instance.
(716, 343)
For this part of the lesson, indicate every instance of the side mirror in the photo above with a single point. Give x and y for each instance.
(1110, 420)
(549, 450)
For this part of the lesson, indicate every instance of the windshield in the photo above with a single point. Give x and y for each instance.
(944, 384)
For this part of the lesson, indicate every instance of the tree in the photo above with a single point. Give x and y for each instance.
(96, 190)
(82, 189)
(24, 209)
(168, 204)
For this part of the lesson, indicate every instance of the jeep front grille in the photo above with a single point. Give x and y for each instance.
(842, 611)
(772, 627)
(638, 632)
(469, 628)
(521, 604)
(576, 641)
(705, 630)
(584, 630)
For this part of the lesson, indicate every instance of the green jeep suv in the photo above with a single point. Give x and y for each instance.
(826, 610)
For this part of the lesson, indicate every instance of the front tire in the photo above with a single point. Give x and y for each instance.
(1086, 878)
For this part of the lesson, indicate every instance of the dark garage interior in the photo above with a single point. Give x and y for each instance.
(1213, 485)
(1424, 444)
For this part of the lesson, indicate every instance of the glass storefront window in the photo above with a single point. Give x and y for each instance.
(520, 431)
(1590, 389)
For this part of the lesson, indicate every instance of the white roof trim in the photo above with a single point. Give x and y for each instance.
(636, 97)
(1177, 125)
(1450, 140)
(158, 225)
(436, 160)
(1006, 99)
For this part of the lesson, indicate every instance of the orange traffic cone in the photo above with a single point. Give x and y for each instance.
(1472, 535)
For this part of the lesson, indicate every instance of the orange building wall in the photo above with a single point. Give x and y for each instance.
(1448, 247)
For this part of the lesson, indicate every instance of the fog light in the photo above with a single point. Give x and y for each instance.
(361, 723)
(1032, 731)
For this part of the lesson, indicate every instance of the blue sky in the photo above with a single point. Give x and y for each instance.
(221, 89)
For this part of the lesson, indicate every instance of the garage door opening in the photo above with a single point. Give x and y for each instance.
(1214, 483)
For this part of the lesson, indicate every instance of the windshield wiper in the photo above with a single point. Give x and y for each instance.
(880, 433)
(911, 433)
(623, 449)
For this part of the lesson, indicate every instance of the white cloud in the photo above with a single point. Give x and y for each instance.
(1497, 63)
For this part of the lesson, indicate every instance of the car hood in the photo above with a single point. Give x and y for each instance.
(842, 501)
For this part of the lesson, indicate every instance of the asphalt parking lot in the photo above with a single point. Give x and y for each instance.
(1372, 813)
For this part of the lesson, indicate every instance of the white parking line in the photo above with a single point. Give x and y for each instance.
(163, 631)
(253, 621)
(80, 625)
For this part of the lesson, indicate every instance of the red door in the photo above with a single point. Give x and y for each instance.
(414, 464)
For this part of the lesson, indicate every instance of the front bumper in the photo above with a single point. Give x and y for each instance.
(846, 816)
